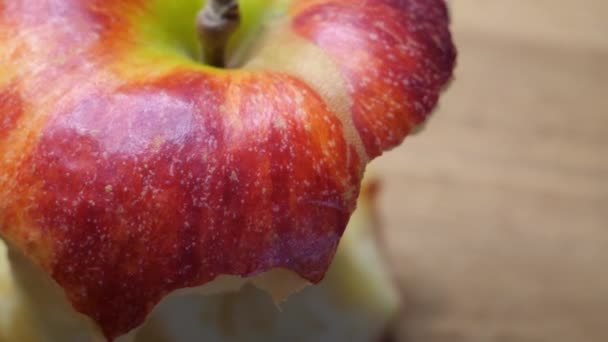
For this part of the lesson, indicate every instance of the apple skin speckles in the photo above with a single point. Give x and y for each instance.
(11, 110)
(396, 56)
(140, 193)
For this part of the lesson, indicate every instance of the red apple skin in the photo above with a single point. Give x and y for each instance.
(395, 55)
(125, 188)
(11, 107)
(198, 194)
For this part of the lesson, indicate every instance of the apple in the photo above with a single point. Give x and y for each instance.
(133, 165)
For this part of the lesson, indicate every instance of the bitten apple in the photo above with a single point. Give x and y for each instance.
(130, 170)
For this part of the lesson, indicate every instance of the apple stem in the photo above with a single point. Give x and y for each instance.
(216, 22)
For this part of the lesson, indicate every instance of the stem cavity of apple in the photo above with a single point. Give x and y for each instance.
(216, 23)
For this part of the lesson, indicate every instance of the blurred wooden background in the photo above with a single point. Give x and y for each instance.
(498, 213)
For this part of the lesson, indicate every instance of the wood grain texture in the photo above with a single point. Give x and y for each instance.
(497, 214)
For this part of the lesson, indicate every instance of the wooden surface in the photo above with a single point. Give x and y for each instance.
(497, 214)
